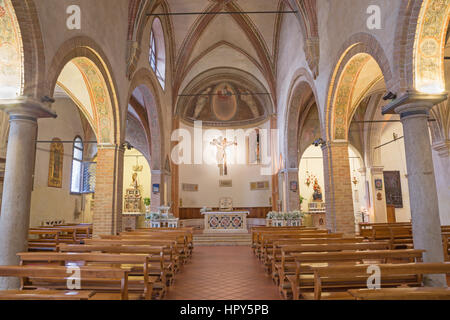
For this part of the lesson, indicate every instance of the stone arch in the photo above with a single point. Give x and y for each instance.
(356, 52)
(420, 38)
(11, 53)
(97, 72)
(144, 81)
(301, 90)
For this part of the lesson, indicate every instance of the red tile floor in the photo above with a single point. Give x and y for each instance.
(223, 273)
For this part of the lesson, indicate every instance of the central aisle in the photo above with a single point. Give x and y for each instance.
(223, 273)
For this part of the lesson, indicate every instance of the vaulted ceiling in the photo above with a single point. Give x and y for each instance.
(244, 42)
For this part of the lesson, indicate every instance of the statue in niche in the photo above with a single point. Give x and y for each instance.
(201, 102)
(247, 97)
(222, 144)
(133, 197)
(317, 195)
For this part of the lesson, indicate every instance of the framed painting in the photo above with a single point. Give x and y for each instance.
(393, 188)
(55, 168)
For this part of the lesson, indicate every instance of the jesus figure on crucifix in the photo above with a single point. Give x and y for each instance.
(222, 144)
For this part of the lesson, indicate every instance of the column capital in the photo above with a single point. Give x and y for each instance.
(414, 103)
(26, 108)
(376, 169)
(362, 171)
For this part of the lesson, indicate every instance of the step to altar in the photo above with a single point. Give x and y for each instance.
(228, 239)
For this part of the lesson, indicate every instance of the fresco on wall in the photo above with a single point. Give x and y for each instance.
(224, 102)
(11, 53)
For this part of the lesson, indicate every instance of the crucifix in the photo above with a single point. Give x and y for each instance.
(222, 144)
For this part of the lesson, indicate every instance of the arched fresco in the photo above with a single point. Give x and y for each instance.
(429, 46)
(11, 52)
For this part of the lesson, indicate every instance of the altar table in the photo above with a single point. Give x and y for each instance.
(223, 222)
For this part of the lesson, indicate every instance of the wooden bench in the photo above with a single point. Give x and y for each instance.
(114, 281)
(160, 257)
(45, 295)
(284, 263)
(170, 244)
(341, 278)
(419, 293)
(303, 278)
(142, 282)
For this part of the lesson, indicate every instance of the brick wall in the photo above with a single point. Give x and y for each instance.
(338, 189)
(107, 218)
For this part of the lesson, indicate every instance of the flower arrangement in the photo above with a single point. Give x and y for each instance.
(205, 209)
(146, 201)
(153, 216)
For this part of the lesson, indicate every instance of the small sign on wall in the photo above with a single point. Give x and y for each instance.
(189, 187)
(294, 186)
(226, 183)
(260, 185)
(379, 184)
(155, 188)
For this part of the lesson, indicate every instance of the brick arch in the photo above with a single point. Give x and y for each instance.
(85, 48)
(413, 26)
(145, 81)
(355, 52)
(301, 91)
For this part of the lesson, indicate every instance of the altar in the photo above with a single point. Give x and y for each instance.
(225, 222)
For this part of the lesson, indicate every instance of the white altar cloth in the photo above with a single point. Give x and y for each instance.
(225, 222)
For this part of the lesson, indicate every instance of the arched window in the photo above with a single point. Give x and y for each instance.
(77, 166)
(157, 53)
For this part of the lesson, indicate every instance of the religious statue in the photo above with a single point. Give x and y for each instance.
(317, 195)
(201, 102)
(133, 197)
(222, 144)
(134, 183)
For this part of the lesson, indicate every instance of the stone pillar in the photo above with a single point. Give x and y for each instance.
(20, 158)
(379, 206)
(421, 181)
(293, 199)
(274, 150)
(442, 165)
(157, 198)
(414, 109)
(107, 217)
(175, 185)
(338, 189)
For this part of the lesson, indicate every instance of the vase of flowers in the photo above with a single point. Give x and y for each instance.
(147, 202)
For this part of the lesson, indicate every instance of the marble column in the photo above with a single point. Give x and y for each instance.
(441, 160)
(414, 110)
(20, 157)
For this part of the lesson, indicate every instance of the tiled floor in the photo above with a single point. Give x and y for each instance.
(223, 273)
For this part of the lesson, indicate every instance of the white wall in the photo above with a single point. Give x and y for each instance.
(207, 176)
(312, 161)
(56, 203)
(393, 159)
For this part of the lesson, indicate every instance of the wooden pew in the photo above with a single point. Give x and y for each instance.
(170, 244)
(446, 245)
(160, 257)
(341, 278)
(44, 240)
(182, 246)
(111, 280)
(284, 264)
(418, 293)
(255, 231)
(303, 280)
(143, 283)
(266, 242)
(45, 295)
